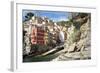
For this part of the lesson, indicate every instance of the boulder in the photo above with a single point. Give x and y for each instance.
(71, 47)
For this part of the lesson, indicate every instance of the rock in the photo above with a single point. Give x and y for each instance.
(71, 47)
(27, 49)
(80, 44)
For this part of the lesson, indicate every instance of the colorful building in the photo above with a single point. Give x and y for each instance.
(38, 36)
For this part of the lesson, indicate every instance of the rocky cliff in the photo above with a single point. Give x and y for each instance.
(78, 43)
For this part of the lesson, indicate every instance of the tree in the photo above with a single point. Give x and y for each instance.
(29, 16)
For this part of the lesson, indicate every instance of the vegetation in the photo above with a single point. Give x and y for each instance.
(64, 23)
(29, 16)
(37, 48)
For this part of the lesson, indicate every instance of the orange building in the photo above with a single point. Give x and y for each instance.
(37, 36)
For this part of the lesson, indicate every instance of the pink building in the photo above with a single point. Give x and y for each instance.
(37, 36)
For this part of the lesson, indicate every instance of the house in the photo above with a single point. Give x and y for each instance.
(38, 28)
(37, 35)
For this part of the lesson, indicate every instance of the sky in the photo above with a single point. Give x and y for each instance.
(52, 15)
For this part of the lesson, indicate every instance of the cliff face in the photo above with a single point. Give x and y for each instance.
(78, 43)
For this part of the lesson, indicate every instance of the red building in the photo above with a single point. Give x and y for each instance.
(37, 36)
